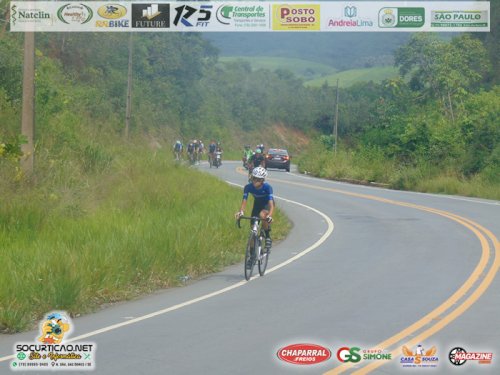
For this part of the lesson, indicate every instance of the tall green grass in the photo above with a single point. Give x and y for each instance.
(366, 165)
(369, 165)
(74, 240)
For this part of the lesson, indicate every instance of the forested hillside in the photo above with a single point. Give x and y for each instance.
(436, 128)
(178, 88)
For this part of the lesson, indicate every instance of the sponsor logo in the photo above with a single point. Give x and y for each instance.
(401, 17)
(190, 16)
(304, 354)
(225, 14)
(75, 14)
(356, 354)
(151, 16)
(350, 11)
(458, 356)
(351, 20)
(112, 13)
(242, 16)
(459, 18)
(421, 358)
(346, 354)
(296, 17)
(50, 352)
(28, 15)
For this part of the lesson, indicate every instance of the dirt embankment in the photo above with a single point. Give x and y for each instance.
(291, 139)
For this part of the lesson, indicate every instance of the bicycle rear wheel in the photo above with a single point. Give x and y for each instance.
(250, 258)
(264, 257)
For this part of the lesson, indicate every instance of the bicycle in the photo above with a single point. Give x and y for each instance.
(177, 155)
(192, 158)
(254, 252)
(210, 159)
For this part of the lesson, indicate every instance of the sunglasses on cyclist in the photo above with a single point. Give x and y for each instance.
(256, 179)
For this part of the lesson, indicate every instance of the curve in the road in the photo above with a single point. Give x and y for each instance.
(474, 287)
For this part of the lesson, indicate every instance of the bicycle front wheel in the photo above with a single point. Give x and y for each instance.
(264, 257)
(250, 256)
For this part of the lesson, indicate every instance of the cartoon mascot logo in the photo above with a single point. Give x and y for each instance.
(54, 328)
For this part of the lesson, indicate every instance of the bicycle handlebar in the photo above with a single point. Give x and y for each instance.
(247, 218)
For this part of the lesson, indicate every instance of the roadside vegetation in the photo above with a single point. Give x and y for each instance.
(104, 218)
(371, 166)
(435, 128)
(108, 224)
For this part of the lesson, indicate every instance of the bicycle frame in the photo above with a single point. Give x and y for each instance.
(254, 252)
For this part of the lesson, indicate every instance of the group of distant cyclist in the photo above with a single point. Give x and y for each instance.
(195, 149)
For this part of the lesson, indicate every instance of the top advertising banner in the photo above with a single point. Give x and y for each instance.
(242, 16)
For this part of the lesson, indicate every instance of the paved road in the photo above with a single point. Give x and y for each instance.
(371, 269)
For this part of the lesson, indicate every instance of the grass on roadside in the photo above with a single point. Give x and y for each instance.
(370, 165)
(141, 225)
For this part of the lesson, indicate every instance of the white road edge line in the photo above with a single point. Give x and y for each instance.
(216, 293)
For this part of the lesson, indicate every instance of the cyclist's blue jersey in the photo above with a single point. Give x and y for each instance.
(262, 195)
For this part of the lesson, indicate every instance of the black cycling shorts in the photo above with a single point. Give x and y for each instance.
(259, 206)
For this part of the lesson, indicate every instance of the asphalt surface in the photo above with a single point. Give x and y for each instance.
(367, 267)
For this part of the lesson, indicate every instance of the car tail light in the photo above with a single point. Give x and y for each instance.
(286, 157)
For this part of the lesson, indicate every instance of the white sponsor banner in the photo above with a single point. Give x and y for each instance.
(410, 16)
(45, 16)
(220, 16)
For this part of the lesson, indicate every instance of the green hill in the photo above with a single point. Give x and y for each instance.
(349, 77)
(340, 50)
(302, 68)
(316, 74)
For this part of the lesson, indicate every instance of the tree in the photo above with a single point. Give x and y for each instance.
(441, 70)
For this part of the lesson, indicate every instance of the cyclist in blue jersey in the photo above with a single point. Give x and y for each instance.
(263, 201)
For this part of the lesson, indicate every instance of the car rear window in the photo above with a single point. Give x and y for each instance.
(278, 152)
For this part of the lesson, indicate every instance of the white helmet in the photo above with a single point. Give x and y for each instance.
(259, 172)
